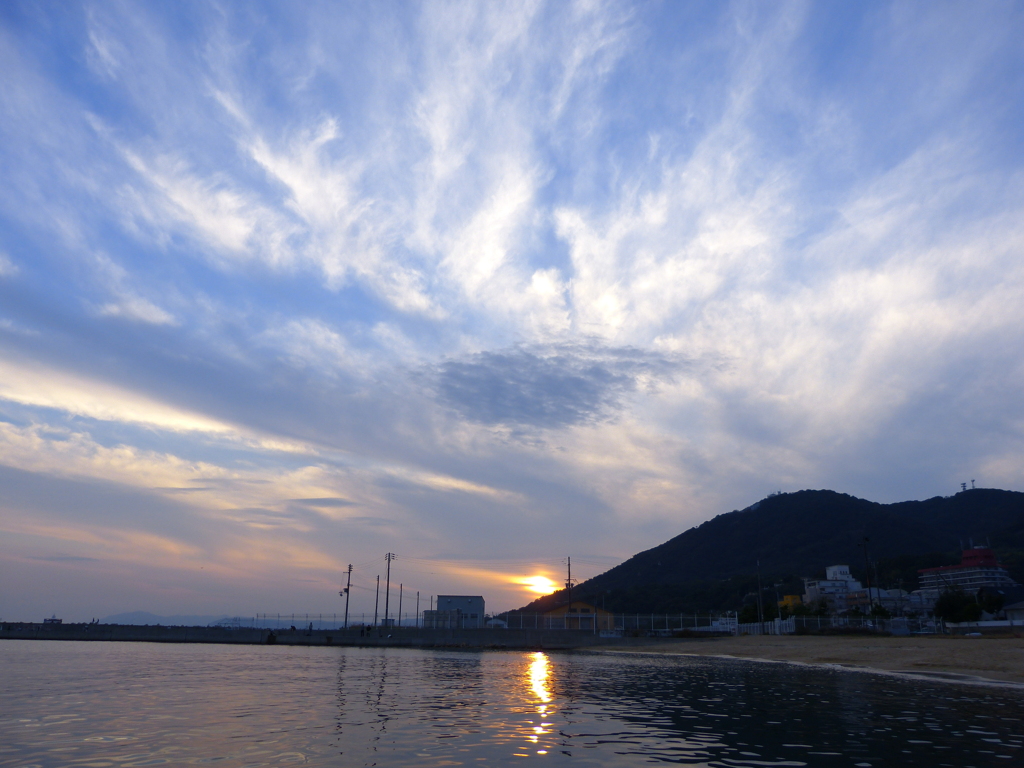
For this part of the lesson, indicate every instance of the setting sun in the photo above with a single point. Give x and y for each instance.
(542, 585)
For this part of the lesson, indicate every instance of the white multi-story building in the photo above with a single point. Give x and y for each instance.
(833, 589)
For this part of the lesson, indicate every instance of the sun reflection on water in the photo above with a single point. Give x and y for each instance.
(540, 668)
(540, 671)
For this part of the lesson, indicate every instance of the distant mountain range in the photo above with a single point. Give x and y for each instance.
(143, 618)
(796, 535)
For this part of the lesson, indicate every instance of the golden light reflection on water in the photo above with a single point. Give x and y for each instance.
(539, 674)
(540, 669)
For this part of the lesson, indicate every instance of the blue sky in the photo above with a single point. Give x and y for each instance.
(285, 287)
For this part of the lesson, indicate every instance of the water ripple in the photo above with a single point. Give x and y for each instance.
(123, 705)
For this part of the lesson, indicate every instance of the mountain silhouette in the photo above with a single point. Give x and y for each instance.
(793, 535)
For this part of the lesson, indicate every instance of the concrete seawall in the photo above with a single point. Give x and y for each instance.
(545, 639)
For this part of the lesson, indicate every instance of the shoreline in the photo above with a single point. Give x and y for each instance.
(379, 637)
(995, 661)
(989, 660)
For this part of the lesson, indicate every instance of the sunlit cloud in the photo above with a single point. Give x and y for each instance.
(541, 585)
(36, 385)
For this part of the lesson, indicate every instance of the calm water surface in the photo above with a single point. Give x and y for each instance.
(138, 704)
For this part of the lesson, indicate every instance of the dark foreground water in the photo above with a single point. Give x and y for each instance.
(136, 704)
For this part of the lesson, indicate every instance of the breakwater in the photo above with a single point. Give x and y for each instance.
(543, 639)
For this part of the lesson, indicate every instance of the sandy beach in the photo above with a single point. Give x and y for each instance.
(949, 657)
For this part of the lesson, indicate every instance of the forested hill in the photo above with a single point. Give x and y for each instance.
(798, 534)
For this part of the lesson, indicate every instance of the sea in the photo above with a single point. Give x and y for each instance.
(104, 704)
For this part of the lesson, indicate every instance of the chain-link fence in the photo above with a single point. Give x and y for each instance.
(605, 623)
(800, 625)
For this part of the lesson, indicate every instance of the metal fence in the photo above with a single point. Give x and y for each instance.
(617, 624)
(816, 624)
(656, 624)
(624, 623)
(318, 620)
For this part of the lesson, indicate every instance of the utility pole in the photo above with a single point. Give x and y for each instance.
(760, 607)
(387, 589)
(878, 585)
(376, 601)
(399, 605)
(867, 572)
(568, 586)
(345, 592)
(417, 609)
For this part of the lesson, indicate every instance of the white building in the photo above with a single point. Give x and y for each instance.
(833, 589)
(898, 602)
(456, 612)
(1015, 612)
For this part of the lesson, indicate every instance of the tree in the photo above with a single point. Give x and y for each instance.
(955, 605)
(879, 611)
(991, 600)
(748, 614)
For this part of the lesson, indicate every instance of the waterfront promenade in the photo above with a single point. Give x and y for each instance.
(540, 639)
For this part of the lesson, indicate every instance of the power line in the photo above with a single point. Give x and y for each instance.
(488, 561)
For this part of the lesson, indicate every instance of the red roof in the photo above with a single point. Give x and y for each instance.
(978, 557)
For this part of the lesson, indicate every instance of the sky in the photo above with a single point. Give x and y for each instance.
(288, 286)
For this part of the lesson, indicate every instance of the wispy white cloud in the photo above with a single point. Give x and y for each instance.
(229, 221)
(135, 308)
(7, 267)
(127, 304)
(309, 343)
(103, 52)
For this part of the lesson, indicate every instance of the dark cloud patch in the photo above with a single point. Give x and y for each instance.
(328, 501)
(66, 559)
(229, 481)
(370, 521)
(260, 516)
(549, 387)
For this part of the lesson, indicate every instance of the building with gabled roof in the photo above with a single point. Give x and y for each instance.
(579, 615)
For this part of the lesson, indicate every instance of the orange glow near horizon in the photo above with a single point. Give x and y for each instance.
(541, 585)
